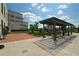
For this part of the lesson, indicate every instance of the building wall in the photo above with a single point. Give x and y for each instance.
(3, 17)
(23, 25)
(16, 21)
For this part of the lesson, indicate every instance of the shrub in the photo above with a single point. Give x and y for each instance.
(30, 32)
(39, 34)
(5, 30)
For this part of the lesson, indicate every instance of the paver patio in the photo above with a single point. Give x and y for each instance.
(49, 45)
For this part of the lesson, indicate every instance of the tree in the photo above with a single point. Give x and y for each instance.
(45, 28)
(36, 26)
(32, 28)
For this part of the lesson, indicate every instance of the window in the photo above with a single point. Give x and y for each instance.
(19, 17)
(4, 11)
(2, 8)
(17, 20)
(11, 20)
(11, 16)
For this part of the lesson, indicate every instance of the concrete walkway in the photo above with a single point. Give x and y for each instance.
(22, 48)
(28, 48)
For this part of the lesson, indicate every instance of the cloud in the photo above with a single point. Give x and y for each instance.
(37, 5)
(66, 18)
(69, 19)
(31, 17)
(34, 4)
(44, 9)
(40, 6)
(60, 12)
(63, 6)
(51, 16)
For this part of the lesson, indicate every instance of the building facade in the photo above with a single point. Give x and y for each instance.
(23, 25)
(3, 18)
(15, 21)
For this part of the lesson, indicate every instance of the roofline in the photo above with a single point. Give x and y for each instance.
(59, 20)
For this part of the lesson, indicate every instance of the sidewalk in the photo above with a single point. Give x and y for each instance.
(23, 48)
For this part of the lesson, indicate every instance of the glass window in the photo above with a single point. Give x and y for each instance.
(4, 11)
(2, 8)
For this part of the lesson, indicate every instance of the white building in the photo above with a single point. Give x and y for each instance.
(16, 21)
(3, 18)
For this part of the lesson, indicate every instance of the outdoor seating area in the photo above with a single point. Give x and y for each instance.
(54, 42)
(64, 28)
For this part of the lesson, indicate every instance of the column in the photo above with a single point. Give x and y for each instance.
(68, 31)
(63, 31)
(54, 34)
(60, 30)
(48, 29)
(71, 29)
(43, 26)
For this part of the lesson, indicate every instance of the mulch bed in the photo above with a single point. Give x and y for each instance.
(16, 37)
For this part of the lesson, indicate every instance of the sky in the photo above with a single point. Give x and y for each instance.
(35, 12)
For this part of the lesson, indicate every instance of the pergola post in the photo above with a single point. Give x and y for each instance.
(68, 31)
(43, 26)
(54, 33)
(48, 29)
(60, 30)
(71, 29)
(63, 31)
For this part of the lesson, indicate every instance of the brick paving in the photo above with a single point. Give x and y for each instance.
(16, 37)
(49, 45)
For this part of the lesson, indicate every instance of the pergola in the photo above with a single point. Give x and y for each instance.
(53, 21)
